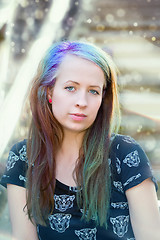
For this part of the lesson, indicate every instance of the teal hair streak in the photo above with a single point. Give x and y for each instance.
(100, 170)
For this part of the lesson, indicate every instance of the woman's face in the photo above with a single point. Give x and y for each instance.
(77, 93)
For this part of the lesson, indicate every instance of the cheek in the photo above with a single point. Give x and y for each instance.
(57, 109)
(96, 105)
(95, 108)
(60, 107)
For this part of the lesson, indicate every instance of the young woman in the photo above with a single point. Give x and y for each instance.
(75, 177)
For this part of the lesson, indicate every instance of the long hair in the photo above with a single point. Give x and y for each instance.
(46, 135)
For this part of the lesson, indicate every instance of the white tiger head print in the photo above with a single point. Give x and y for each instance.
(63, 202)
(86, 234)
(59, 222)
(132, 159)
(120, 225)
(12, 159)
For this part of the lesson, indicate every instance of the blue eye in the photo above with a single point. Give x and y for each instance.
(94, 92)
(70, 88)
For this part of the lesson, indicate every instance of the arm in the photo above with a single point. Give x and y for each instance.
(144, 211)
(22, 227)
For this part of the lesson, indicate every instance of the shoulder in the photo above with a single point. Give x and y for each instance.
(18, 146)
(19, 149)
(130, 163)
(16, 166)
(123, 145)
(17, 154)
(127, 150)
(123, 139)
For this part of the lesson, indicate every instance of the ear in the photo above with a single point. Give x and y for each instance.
(49, 93)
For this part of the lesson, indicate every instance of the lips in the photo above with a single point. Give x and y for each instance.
(78, 116)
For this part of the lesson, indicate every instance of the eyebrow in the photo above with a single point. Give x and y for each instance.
(79, 84)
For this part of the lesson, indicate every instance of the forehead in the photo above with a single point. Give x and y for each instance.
(79, 69)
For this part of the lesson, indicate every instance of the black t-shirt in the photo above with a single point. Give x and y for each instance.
(129, 167)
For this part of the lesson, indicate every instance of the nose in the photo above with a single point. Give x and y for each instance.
(81, 100)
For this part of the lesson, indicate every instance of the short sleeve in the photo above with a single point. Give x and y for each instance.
(16, 166)
(135, 165)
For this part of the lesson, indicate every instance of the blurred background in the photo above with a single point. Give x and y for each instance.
(128, 30)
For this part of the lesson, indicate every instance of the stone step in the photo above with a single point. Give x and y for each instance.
(119, 24)
(147, 104)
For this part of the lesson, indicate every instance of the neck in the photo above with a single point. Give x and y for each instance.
(70, 146)
(66, 158)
